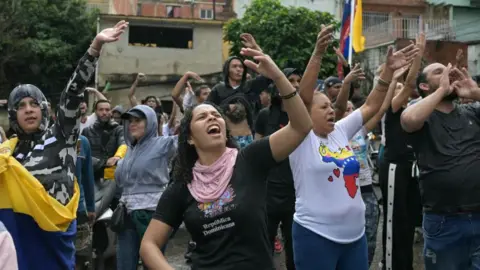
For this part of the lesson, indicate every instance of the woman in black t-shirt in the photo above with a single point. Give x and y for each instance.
(219, 191)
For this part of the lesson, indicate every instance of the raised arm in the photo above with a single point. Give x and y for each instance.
(372, 123)
(394, 61)
(180, 86)
(414, 117)
(67, 122)
(342, 98)
(410, 83)
(131, 92)
(310, 76)
(98, 95)
(284, 141)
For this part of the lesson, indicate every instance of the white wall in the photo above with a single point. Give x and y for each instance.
(331, 6)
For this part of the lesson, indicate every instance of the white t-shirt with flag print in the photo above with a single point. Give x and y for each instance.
(327, 188)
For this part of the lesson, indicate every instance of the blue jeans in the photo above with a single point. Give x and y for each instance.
(452, 242)
(128, 247)
(312, 252)
(372, 215)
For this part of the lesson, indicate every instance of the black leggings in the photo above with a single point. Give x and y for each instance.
(401, 213)
(286, 218)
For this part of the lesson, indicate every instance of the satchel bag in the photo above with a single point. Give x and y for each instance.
(119, 218)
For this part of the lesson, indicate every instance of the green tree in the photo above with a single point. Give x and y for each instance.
(41, 42)
(287, 34)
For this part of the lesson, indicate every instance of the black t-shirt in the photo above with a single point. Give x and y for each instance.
(231, 232)
(448, 152)
(397, 149)
(281, 190)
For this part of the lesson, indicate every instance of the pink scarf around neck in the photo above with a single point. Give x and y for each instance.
(209, 182)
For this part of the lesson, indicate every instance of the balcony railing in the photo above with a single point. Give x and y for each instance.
(381, 29)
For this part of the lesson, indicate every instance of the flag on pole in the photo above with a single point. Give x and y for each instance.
(345, 34)
(358, 40)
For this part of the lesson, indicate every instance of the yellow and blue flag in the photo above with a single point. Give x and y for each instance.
(42, 229)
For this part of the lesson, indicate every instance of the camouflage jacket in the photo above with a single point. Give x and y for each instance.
(51, 158)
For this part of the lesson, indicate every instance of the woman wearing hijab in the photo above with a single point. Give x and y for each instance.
(143, 175)
(219, 192)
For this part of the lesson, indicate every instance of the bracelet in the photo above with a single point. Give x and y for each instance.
(289, 96)
(383, 83)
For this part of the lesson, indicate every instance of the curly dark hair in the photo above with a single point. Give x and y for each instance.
(187, 154)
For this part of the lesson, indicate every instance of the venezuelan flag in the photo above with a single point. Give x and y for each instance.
(351, 36)
(42, 229)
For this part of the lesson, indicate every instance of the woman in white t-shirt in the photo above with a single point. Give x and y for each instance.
(329, 220)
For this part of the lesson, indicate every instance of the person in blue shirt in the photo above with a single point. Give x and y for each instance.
(86, 206)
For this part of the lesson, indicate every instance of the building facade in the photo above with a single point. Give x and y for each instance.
(164, 40)
(331, 6)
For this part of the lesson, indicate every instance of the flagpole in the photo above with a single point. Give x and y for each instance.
(350, 48)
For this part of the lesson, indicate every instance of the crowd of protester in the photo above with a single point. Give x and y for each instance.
(264, 149)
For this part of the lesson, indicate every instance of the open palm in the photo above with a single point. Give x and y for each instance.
(112, 34)
(401, 58)
(266, 66)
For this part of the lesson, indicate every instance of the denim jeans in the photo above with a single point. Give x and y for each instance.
(452, 242)
(372, 215)
(312, 252)
(128, 247)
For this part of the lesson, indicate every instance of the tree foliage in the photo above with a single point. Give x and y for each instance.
(41, 42)
(287, 34)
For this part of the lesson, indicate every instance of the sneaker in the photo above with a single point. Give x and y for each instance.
(278, 246)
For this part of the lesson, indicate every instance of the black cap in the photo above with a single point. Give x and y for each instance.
(135, 113)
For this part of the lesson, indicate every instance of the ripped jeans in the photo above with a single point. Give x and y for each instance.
(452, 242)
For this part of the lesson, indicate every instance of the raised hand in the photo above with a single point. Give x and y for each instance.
(400, 72)
(355, 74)
(324, 38)
(465, 86)
(141, 77)
(193, 75)
(111, 34)
(265, 66)
(444, 83)
(421, 43)
(337, 51)
(249, 41)
(401, 58)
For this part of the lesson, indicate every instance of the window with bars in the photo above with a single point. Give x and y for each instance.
(206, 14)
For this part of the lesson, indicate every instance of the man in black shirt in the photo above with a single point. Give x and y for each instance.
(446, 139)
(280, 192)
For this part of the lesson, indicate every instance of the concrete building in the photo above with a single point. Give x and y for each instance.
(165, 39)
(162, 48)
(185, 9)
(387, 22)
(465, 14)
(331, 6)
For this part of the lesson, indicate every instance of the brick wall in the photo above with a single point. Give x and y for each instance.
(185, 10)
(440, 51)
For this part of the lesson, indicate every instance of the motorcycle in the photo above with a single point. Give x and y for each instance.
(102, 248)
(104, 239)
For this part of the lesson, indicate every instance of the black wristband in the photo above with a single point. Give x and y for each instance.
(289, 96)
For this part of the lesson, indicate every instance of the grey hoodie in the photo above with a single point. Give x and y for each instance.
(145, 166)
